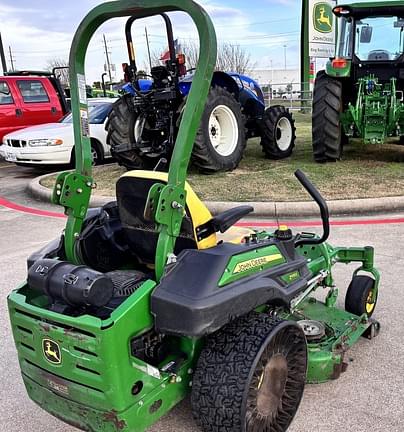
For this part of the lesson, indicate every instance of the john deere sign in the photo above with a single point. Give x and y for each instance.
(321, 28)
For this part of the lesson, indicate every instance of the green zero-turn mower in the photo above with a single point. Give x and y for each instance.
(360, 94)
(150, 298)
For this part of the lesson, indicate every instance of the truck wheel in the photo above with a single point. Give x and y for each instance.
(361, 296)
(326, 125)
(120, 127)
(220, 141)
(96, 154)
(278, 132)
(250, 376)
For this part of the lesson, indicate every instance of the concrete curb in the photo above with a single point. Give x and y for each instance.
(355, 207)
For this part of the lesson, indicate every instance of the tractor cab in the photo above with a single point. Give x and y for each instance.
(371, 39)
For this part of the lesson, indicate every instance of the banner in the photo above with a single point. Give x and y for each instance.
(322, 28)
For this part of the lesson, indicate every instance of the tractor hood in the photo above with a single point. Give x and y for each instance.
(363, 10)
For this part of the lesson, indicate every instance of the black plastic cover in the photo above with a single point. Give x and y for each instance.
(73, 285)
(189, 302)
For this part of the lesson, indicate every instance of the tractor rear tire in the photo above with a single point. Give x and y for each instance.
(120, 127)
(326, 124)
(220, 141)
(278, 132)
(250, 376)
(360, 297)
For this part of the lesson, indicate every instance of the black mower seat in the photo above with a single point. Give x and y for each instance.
(198, 230)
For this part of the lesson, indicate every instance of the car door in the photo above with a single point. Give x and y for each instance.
(36, 102)
(10, 109)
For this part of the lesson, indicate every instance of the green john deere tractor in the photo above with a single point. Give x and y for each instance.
(361, 92)
(151, 298)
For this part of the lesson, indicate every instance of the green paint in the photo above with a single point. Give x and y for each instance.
(377, 114)
(106, 352)
(249, 263)
(326, 357)
(290, 277)
(304, 53)
(344, 72)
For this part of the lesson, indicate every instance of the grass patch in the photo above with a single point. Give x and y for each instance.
(366, 171)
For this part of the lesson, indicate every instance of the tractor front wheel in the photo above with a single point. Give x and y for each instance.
(121, 130)
(278, 132)
(250, 376)
(327, 130)
(220, 141)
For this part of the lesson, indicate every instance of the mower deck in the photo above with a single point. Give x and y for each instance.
(342, 331)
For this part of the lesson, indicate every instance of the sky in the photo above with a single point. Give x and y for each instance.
(38, 31)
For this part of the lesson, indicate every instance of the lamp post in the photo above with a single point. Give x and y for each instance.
(284, 53)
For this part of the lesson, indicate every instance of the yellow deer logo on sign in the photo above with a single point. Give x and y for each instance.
(51, 351)
(323, 18)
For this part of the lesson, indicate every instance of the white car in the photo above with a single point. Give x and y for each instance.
(53, 143)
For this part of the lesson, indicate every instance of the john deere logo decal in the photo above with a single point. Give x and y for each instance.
(51, 351)
(256, 262)
(323, 17)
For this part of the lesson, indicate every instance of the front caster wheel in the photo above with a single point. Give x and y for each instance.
(361, 296)
(250, 376)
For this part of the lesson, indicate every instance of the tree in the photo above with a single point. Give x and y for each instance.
(230, 58)
(63, 69)
(233, 58)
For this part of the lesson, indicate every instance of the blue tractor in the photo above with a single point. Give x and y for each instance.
(143, 123)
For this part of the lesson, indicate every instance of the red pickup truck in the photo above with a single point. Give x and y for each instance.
(29, 98)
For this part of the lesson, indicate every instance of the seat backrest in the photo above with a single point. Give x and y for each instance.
(132, 191)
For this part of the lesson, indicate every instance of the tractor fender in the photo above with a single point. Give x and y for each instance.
(219, 79)
(188, 302)
(224, 80)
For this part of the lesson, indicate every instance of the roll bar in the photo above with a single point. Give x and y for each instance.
(73, 189)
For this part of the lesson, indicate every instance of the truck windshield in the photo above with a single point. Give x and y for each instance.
(97, 113)
(379, 38)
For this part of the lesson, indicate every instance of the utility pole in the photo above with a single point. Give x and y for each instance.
(284, 54)
(148, 47)
(11, 58)
(108, 62)
(2, 56)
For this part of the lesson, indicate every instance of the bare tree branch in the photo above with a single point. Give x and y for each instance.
(230, 58)
(62, 74)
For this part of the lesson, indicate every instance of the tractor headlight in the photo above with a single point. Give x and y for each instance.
(45, 142)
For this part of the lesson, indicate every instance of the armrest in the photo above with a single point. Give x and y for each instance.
(223, 221)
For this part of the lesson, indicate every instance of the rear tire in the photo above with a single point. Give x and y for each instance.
(120, 127)
(278, 132)
(326, 124)
(250, 376)
(220, 141)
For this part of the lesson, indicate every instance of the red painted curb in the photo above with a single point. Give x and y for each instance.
(251, 223)
(22, 209)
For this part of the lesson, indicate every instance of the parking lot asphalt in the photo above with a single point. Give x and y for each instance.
(369, 396)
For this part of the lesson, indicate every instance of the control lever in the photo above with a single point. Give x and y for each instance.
(161, 164)
(315, 194)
